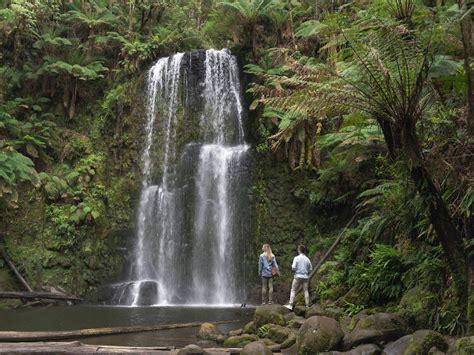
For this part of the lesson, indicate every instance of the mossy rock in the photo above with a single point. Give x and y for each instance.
(290, 316)
(423, 340)
(296, 322)
(191, 349)
(256, 348)
(318, 334)
(365, 349)
(236, 332)
(278, 333)
(208, 331)
(290, 341)
(415, 307)
(465, 345)
(268, 342)
(240, 340)
(317, 310)
(375, 328)
(250, 328)
(270, 314)
(354, 296)
(398, 346)
(299, 310)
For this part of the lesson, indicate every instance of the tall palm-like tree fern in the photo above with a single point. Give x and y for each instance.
(386, 76)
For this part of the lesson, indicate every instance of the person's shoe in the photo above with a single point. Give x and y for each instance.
(270, 302)
(264, 303)
(289, 306)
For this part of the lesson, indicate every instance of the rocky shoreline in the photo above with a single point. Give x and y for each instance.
(318, 330)
(276, 330)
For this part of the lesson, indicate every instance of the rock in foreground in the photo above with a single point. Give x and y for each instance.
(318, 334)
(379, 327)
(256, 348)
(270, 314)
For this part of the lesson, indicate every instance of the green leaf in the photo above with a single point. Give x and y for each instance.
(311, 28)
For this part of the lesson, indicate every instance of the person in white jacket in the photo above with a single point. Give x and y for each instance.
(302, 268)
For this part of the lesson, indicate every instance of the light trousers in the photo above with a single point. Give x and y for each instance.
(295, 286)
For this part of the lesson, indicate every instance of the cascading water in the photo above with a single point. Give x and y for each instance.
(193, 213)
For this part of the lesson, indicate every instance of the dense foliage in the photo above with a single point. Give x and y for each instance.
(370, 102)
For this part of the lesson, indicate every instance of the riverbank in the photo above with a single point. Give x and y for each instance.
(78, 347)
(268, 329)
(73, 318)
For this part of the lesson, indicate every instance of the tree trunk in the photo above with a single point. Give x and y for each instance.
(12, 267)
(470, 305)
(449, 237)
(391, 137)
(76, 347)
(292, 30)
(402, 143)
(72, 103)
(39, 295)
(254, 40)
(467, 38)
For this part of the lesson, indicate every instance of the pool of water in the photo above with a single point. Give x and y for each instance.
(57, 318)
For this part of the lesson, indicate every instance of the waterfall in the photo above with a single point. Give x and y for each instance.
(193, 214)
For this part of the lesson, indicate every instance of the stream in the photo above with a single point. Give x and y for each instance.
(56, 318)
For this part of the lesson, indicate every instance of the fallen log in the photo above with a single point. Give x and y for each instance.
(14, 270)
(14, 336)
(78, 347)
(39, 295)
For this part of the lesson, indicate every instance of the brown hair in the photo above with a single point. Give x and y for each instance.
(301, 249)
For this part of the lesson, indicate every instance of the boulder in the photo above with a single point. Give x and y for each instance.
(290, 341)
(345, 322)
(289, 316)
(239, 340)
(318, 334)
(271, 344)
(299, 310)
(435, 351)
(220, 339)
(465, 346)
(415, 307)
(275, 347)
(422, 341)
(378, 327)
(270, 314)
(191, 349)
(268, 342)
(208, 331)
(296, 322)
(277, 333)
(365, 349)
(317, 310)
(250, 328)
(354, 296)
(256, 348)
(292, 350)
(397, 347)
(236, 332)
